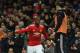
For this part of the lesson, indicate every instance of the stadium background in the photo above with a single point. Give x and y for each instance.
(22, 12)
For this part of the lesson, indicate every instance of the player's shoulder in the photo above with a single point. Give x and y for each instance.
(41, 25)
(32, 25)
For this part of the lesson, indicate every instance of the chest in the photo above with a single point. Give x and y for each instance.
(37, 29)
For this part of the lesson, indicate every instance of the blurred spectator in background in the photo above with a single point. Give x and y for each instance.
(19, 41)
(3, 39)
(21, 12)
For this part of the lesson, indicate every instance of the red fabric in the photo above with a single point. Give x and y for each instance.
(34, 34)
(35, 14)
(46, 35)
(49, 46)
(38, 7)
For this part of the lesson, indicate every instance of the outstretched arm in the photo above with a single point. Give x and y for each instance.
(23, 30)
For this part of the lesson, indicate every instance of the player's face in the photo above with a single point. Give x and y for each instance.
(37, 21)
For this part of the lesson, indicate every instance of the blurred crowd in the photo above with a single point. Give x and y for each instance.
(15, 14)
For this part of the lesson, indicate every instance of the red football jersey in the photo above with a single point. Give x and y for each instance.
(34, 33)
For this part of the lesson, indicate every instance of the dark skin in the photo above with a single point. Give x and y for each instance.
(37, 21)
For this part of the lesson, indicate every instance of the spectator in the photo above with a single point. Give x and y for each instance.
(20, 12)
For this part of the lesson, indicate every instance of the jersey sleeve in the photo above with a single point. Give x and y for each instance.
(44, 29)
(23, 30)
(45, 32)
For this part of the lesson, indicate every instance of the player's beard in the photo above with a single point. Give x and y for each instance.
(37, 23)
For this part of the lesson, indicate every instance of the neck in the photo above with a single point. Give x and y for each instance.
(37, 25)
